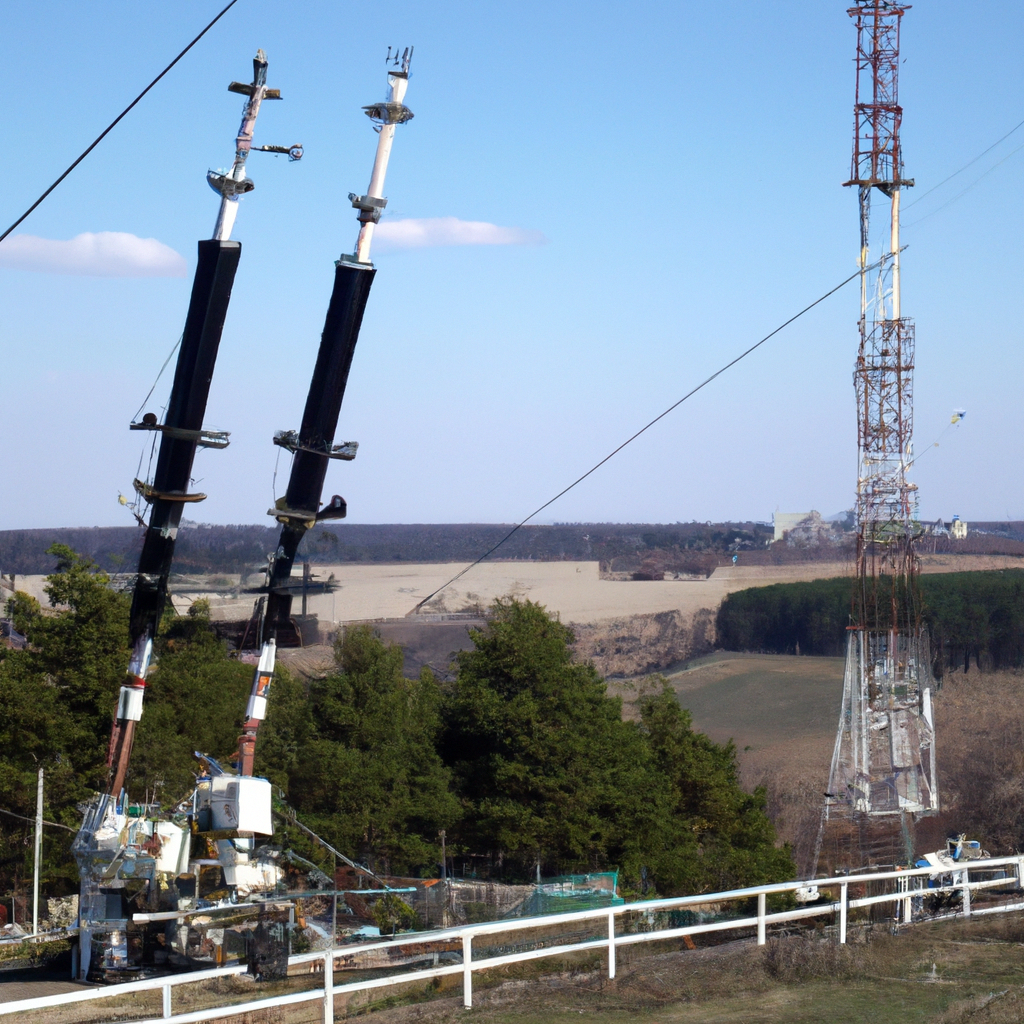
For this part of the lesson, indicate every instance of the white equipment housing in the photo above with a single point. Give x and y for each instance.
(241, 802)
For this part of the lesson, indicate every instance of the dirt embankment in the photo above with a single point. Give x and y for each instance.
(638, 644)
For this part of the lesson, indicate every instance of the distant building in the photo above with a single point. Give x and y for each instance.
(958, 528)
(786, 521)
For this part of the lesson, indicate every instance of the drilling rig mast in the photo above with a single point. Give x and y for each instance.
(883, 766)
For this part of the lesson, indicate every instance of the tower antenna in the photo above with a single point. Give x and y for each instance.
(883, 767)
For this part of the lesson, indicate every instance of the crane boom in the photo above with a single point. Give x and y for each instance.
(312, 446)
(182, 430)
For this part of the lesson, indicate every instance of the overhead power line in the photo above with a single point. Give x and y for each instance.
(52, 824)
(110, 127)
(675, 405)
(969, 163)
(964, 191)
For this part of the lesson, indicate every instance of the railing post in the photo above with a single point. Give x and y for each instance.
(467, 971)
(843, 900)
(611, 946)
(761, 903)
(166, 1009)
(966, 889)
(329, 986)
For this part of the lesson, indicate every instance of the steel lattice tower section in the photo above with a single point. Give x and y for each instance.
(883, 764)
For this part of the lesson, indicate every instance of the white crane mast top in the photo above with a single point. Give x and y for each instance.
(388, 114)
(234, 183)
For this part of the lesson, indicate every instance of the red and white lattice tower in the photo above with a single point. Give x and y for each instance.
(883, 764)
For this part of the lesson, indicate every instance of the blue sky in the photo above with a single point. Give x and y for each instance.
(682, 162)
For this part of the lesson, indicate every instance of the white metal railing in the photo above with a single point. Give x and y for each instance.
(324, 960)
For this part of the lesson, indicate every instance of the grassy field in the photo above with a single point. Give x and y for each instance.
(940, 973)
(781, 711)
(763, 701)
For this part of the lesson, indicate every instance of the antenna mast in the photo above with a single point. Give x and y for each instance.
(883, 766)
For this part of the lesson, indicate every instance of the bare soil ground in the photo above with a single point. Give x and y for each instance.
(572, 589)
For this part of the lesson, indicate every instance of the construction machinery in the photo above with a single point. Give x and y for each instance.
(124, 855)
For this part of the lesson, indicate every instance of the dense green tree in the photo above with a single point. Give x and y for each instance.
(971, 617)
(369, 779)
(57, 699)
(550, 772)
(723, 836)
(83, 652)
(540, 752)
(23, 610)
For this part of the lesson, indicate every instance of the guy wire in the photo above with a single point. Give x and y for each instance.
(157, 381)
(660, 416)
(964, 191)
(918, 199)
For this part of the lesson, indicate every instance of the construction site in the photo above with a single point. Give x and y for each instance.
(214, 878)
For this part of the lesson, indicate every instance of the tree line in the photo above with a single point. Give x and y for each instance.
(522, 756)
(202, 548)
(972, 618)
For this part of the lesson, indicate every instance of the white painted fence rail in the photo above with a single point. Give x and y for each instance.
(1011, 870)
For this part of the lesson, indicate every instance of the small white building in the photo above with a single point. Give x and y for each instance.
(958, 528)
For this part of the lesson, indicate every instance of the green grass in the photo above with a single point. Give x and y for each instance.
(760, 700)
(978, 978)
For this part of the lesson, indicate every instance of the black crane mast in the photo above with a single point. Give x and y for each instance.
(313, 446)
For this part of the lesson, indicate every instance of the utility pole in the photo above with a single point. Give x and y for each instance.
(883, 765)
(37, 854)
(334, 901)
(168, 493)
(182, 431)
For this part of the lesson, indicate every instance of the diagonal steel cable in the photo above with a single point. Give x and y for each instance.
(110, 127)
(675, 405)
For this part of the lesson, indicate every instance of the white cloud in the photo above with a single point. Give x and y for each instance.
(103, 254)
(428, 232)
